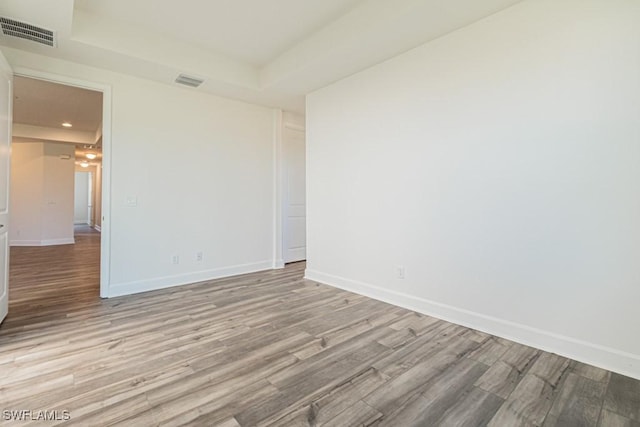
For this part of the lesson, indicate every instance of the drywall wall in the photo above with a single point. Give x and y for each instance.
(496, 169)
(26, 193)
(41, 194)
(190, 173)
(57, 216)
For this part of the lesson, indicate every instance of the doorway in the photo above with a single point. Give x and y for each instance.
(61, 121)
(294, 194)
(82, 199)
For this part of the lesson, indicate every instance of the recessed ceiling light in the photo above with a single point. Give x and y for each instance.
(84, 164)
(91, 156)
(67, 124)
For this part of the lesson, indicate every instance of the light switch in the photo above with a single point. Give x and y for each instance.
(132, 201)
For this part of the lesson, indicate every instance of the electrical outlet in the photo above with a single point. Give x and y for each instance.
(400, 271)
(199, 256)
(175, 259)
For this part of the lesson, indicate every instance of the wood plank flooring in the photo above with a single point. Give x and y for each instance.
(271, 349)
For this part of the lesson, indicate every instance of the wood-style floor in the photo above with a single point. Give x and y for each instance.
(271, 349)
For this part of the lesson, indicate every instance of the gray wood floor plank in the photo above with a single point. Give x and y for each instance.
(405, 387)
(527, 405)
(611, 419)
(505, 374)
(473, 409)
(329, 406)
(358, 414)
(490, 352)
(578, 404)
(591, 372)
(550, 368)
(334, 402)
(435, 398)
(623, 397)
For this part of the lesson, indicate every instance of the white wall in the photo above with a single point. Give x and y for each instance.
(57, 217)
(41, 194)
(201, 169)
(499, 165)
(27, 177)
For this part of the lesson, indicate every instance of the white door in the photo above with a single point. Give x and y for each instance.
(6, 98)
(295, 216)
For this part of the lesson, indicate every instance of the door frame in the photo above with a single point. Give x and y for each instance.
(105, 226)
(4, 280)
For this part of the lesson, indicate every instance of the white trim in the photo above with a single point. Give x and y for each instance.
(46, 242)
(593, 354)
(186, 279)
(105, 241)
(278, 186)
(97, 228)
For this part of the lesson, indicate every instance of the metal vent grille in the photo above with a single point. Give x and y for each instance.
(13, 28)
(189, 81)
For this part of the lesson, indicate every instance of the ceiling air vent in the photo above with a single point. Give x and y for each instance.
(189, 81)
(13, 28)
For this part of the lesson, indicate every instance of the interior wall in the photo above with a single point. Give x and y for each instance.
(41, 194)
(190, 173)
(26, 193)
(496, 170)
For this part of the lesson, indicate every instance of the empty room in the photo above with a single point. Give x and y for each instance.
(320, 213)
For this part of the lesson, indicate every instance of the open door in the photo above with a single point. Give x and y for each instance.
(6, 98)
(295, 216)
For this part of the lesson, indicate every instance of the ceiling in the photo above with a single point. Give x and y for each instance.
(45, 104)
(266, 52)
(40, 108)
(234, 28)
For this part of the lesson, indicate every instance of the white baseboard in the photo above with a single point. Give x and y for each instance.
(48, 242)
(279, 263)
(185, 279)
(25, 243)
(593, 354)
(97, 228)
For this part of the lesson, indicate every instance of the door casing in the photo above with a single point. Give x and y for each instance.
(105, 240)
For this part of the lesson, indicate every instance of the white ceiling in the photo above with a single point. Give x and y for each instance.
(235, 28)
(266, 52)
(40, 108)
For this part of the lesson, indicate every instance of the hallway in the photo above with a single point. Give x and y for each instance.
(51, 280)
